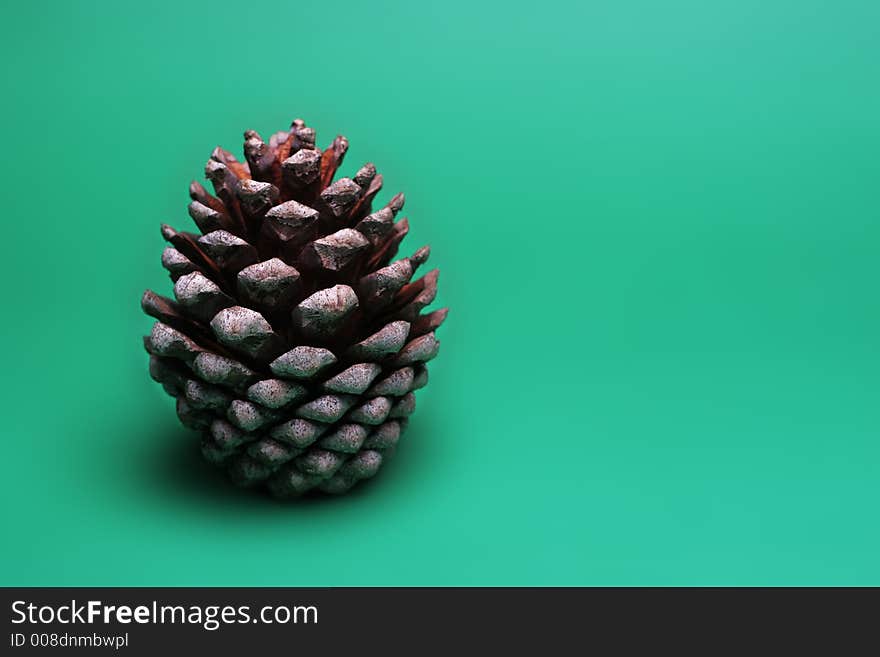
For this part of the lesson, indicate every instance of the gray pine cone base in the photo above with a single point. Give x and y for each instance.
(295, 341)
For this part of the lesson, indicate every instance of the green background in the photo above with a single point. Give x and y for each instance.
(658, 232)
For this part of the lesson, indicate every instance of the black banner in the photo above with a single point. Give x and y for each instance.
(241, 621)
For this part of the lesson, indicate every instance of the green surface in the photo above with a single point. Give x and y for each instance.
(657, 225)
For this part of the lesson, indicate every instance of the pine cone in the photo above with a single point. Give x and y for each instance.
(294, 344)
